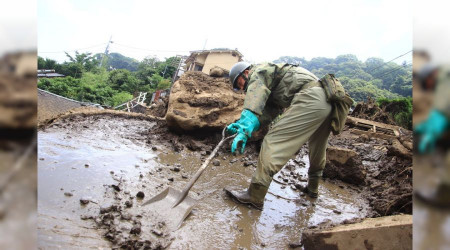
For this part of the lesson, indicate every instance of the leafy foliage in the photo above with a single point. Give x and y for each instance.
(86, 81)
(400, 109)
(118, 61)
(374, 77)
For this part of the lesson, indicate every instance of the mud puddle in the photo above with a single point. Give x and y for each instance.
(120, 163)
(17, 197)
(431, 224)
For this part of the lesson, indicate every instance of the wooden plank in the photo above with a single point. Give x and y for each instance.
(372, 134)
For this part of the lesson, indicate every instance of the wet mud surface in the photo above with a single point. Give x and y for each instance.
(388, 177)
(96, 171)
(17, 196)
(431, 224)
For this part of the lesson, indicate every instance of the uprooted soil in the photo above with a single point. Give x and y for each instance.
(371, 111)
(160, 158)
(388, 174)
(198, 102)
(18, 102)
(159, 108)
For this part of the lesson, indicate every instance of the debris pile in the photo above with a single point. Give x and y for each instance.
(198, 101)
(128, 227)
(159, 108)
(18, 102)
(386, 162)
(371, 111)
(346, 165)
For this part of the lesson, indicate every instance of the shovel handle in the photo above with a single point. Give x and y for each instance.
(202, 168)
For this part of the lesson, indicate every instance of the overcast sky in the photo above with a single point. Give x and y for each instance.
(261, 30)
(432, 29)
(18, 26)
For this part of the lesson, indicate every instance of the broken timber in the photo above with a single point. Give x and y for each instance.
(373, 129)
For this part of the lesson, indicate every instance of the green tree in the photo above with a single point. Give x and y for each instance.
(118, 61)
(46, 63)
(120, 98)
(41, 63)
(163, 84)
(146, 69)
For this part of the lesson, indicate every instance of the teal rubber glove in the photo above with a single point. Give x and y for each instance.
(246, 124)
(244, 127)
(240, 138)
(431, 130)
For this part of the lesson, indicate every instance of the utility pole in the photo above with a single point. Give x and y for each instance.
(204, 45)
(106, 51)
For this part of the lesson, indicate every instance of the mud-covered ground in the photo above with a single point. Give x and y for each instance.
(17, 195)
(388, 181)
(92, 168)
(18, 101)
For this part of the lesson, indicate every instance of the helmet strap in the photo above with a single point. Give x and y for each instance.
(246, 81)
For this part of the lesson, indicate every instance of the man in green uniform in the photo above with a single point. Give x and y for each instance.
(431, 130)
(270, 89)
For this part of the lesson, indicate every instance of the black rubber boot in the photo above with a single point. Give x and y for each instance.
(440, 197)
(254, 195)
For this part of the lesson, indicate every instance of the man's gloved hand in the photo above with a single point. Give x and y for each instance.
(431, 130)
(244, 127)
(241, 137)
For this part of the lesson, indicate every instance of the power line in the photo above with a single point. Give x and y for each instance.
(369, 71)
(152, 50)
(389, 61)
(391, 71)
(64, 51)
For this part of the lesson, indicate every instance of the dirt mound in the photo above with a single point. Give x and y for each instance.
(388, 167)
(345, 165)
(198, 101)
(216, 72)
(17, 102)
(158, 109)
(371, 111)
(92, 111)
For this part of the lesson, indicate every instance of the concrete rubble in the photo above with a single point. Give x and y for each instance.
(393, 232)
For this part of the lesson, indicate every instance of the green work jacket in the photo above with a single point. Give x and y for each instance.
(272, 87)
(442, 94)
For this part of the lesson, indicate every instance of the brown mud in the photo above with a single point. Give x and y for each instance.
(388, 177)
(199, 101)
(18, 101)
(17, 196)
(104, 159)
(159, 108)
(371, 111)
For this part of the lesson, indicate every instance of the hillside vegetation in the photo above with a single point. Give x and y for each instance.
(373, 78)
(114, 79)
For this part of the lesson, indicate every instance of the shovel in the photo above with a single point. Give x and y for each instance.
(174, 205)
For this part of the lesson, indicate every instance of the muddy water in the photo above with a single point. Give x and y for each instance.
(431, 225)
(116, 154)
(17, 198)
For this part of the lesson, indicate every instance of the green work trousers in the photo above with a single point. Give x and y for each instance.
(308, 118)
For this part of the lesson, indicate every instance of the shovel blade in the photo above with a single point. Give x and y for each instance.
(161, 206)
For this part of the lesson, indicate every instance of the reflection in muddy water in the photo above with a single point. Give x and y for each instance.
(85, 158)
(431, 225)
